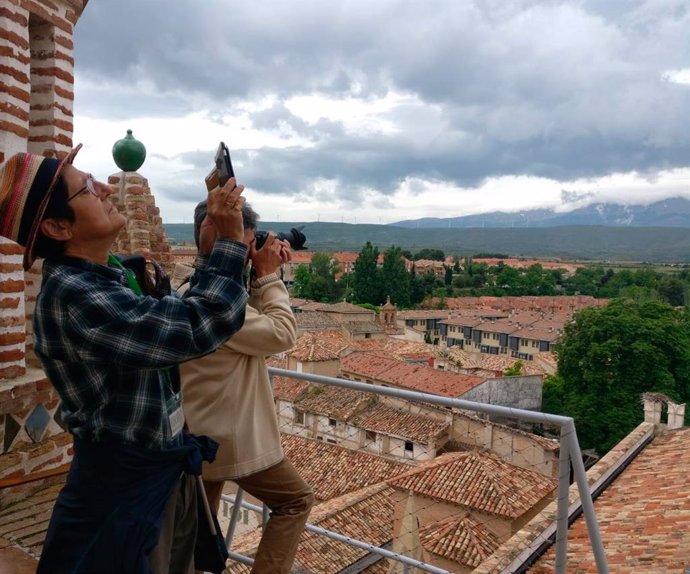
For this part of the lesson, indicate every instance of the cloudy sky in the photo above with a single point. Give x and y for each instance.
(374, 111)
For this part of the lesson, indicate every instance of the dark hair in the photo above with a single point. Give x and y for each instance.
(57, 208)
(250, 218)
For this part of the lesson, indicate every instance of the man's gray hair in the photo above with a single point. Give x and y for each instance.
(250, 218)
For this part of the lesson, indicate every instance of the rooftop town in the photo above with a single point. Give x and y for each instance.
(455, 489)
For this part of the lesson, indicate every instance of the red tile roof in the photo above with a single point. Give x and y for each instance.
(478, 481)
(410, 376)
(643, 516)
(459, 539)
(339, 403)
(333, 471)
(388, 420)
(288, 389)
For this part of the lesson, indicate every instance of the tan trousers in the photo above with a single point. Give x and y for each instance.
(289, 499)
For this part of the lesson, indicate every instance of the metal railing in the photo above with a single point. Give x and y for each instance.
(570, 458)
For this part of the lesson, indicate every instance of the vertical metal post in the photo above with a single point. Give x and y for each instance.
(265, 515)
(568, 434)
(562, 506)
(236, 508)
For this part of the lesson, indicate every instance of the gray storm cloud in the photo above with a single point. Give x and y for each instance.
(563, 90)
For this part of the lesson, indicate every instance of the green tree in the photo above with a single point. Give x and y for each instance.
(609, 356)
(672, 290)
(513, 371)
(395, 278)
(323, 269)
(366, 280)
(433, 254)
(448, 275)
(301, 286)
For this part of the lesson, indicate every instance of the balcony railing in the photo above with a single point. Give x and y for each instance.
(570, 459)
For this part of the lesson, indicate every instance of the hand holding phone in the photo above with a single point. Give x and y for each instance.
(222, 171)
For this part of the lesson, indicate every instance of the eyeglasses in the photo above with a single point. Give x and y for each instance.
(90, 187)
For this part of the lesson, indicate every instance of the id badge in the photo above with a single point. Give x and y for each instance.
(176, 415)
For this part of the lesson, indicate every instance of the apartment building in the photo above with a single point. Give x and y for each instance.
(520, 335)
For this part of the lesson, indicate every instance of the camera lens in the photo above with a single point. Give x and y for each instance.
(294, 237)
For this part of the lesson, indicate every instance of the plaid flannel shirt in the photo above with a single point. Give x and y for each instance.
(112, 355)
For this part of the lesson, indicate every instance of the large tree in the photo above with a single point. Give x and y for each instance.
(317, 281)
(609, 356)
(366, 286)
(395, 277)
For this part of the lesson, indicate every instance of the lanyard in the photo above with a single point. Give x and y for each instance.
(134, 286)
(131, 278)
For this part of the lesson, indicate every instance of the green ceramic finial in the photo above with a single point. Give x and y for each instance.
(129, 153)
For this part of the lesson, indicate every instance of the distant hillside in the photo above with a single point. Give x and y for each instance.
(654, 244)
(673, 212)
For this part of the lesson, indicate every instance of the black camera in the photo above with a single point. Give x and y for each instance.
(294, 237)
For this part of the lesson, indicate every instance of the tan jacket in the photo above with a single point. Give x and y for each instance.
(227, 394)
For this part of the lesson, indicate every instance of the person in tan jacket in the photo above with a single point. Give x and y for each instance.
(227, 395)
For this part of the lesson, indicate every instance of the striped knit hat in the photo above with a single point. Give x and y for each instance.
(27, 182)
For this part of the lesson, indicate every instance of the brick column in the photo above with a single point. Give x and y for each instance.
(144, 233)
(15, 81)
(12, 314)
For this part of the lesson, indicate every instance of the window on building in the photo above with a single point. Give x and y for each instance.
(299, 417)
(331, 441)
(409, 446)
(370, 436)
(332, 422)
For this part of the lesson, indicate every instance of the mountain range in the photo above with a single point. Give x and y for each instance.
(672, 212)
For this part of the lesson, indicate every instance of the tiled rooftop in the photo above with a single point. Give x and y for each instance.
(333, 471)
(392, 421)
(461, 540)
(355, 327)
(643, 516)
(542, 363)
(410, 376)
(336, 402)
(288, 389)
(364, 515)
(478, 481)
(324, 345)
(314, 320)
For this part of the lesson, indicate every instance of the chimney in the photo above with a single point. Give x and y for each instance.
(652, 409)
(676, 416)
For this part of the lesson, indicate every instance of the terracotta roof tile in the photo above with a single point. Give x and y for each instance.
(478, 481)
(541, 364)
(314, 320)
(643, 516)
(333, 471)
(324, 345)
(388, 420)
(369, 519)
(410, 376)
(336, 402)
(288, 389)
(461, 540)
(355, 327)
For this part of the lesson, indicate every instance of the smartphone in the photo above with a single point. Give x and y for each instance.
(223, 164)
(223, 171)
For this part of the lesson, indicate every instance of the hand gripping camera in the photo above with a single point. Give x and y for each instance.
(294, 237)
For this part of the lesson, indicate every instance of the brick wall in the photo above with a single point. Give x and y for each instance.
(36, 102)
